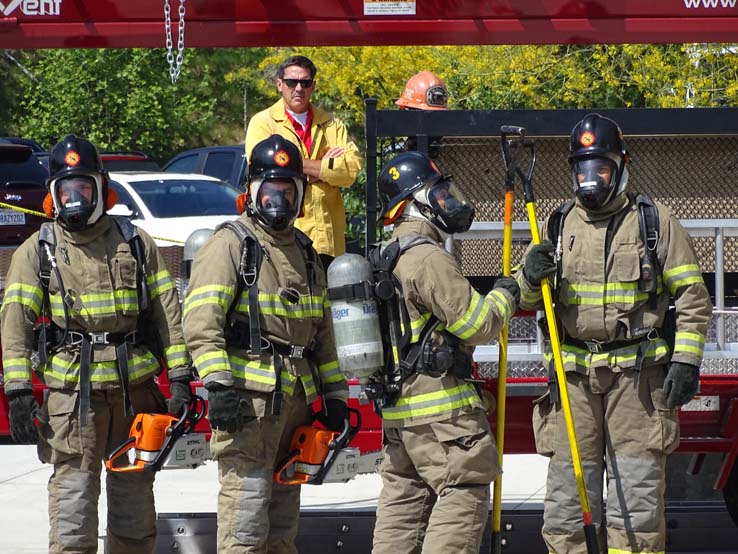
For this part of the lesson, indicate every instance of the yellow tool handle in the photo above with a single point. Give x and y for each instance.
(560, 374)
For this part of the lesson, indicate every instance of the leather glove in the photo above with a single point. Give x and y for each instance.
(511, 286)
(539, 263)
(338, 413)
(23, 407)
(181, 396)
(680, 384)
(227, 411)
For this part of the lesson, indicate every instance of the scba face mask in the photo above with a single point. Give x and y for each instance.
(448, 208)
(77, 200)
(595, 181)
(277, 203)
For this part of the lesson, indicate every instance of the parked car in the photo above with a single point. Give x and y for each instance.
(23, 184)
(128, 161)
(169, 206)
(227, 163)
(35, 146)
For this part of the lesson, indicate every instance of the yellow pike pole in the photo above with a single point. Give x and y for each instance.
(510, 160)
(590, 531)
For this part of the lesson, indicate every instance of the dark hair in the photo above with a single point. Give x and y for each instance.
(299, 61)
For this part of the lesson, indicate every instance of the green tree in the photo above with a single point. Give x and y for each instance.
(123, 99)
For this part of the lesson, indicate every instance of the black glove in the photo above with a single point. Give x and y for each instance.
(181, 395)
(539, 263)
(681, 384)
(337, 415)
(23, 407)
(227, 411)
(511, 286)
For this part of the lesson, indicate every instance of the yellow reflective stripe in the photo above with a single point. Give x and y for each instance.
(212, 362)
(690, 343)
(99, 304)
(210, 294)
(620, 551)
(432, 403)
(159, 282)
(530, 297)
(176, 354)
(309, 385)
(599, 295)
(503, 306)
(254, 370)
(17, 368)
(628, 354)
(100, 372)
(27, 295)
(681, 276)
(473, 317)
(416, 325)
(274, 304)
(289, 382)
(330, 372)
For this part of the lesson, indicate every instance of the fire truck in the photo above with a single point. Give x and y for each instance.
(710, 422)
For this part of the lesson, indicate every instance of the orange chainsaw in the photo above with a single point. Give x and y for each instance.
(163, 441)
(320, 456)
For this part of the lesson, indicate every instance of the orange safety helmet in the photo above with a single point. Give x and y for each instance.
(424, 91)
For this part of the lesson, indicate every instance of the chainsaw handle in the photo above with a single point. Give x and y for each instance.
(280, 471)
(118, 452)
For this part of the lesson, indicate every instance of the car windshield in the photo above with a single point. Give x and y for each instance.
(187, 197)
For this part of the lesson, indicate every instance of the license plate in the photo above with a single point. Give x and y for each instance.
(10, 217)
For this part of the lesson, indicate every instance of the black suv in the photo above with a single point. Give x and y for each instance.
(22, 184)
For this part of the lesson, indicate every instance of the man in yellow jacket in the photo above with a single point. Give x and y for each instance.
(330, 158)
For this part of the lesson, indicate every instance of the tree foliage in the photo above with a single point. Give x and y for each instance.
(123, 99)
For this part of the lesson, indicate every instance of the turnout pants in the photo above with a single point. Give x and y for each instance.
(622, 426)
(74, 488)
(435, 493)
(255, 514)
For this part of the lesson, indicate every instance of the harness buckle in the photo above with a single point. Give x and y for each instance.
(594, 346)
(100, 337)
(297, 352)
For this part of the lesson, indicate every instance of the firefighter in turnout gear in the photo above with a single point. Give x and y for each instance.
(257, 321)
(618, 260)
(96, 281)
(439, 455)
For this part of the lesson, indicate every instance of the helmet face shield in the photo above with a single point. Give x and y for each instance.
(451, 212)
(594, 181)
(277, 201)
(77, 199)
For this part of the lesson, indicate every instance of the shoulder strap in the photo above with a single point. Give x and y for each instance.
(650, 227)
(555, 231)
(311, 256)
(556, 221)
(46, 239)
(131, 235)
(248, 270)
(47, 264)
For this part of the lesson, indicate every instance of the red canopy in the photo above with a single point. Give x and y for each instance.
(229, 23)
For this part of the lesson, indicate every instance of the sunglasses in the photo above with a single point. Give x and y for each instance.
(292, 83)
